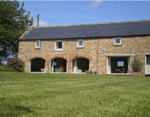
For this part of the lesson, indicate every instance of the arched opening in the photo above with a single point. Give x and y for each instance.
(37, 65)
(58, 65)
(80, 65)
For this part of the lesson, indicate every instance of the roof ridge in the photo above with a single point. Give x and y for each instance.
(118, 22)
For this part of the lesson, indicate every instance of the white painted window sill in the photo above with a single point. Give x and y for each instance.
(117, 44)
(80, 47)
(37, 48)
(58, 50)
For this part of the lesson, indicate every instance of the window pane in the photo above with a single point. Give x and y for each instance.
(148, 59)
(120, 63)
(59, 45)
(37, 43)
(55, 63)
(80, 43)
(117, 40)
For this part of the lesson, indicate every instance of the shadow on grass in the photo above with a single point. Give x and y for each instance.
(22, 108)
(2, 99)
(15, 110)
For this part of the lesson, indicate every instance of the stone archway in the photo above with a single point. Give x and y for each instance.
(80, 65)
(58, 65)
(37, 65)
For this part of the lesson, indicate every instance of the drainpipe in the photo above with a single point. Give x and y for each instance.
(38, 17)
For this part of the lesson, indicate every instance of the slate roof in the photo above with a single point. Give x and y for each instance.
(118, 29)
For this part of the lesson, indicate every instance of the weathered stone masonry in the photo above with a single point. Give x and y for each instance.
(94, 50)
(70, 51)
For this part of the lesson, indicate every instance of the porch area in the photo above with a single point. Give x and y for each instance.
(119, 64)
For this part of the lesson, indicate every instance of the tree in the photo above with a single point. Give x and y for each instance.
(14, 19)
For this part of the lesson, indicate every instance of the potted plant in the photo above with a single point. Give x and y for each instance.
(136, 66)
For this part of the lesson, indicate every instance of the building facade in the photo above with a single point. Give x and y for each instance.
(102, 48)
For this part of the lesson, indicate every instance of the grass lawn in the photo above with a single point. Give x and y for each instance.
(66, 95)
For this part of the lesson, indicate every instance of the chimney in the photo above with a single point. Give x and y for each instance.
(32, 21)
(38, 17)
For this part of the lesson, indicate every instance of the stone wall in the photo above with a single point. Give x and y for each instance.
(94, 50)
(70, 51)
(130, 45)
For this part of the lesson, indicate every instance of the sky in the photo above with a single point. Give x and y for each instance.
(70, 12)
(54, 13)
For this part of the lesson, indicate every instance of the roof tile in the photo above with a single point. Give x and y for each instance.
(133, 28)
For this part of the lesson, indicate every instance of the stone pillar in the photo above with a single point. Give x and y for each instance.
(75, 66)
(69, 66)
(47, 66)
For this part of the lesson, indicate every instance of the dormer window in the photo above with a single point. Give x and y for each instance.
(117, 41)
(38, 44)
(80, 43)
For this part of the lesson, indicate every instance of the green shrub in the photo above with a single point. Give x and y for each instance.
(6, 68)
(136, 64)
(16, 64)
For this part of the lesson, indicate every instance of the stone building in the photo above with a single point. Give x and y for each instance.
(105, 48)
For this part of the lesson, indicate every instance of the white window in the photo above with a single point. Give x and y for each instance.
(38, 44)
(117, 41)
(59, 45)
(80, 43)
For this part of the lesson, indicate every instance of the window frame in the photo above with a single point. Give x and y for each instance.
(82, 43)
(56, 49)
(115, 41)
(39, 44)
